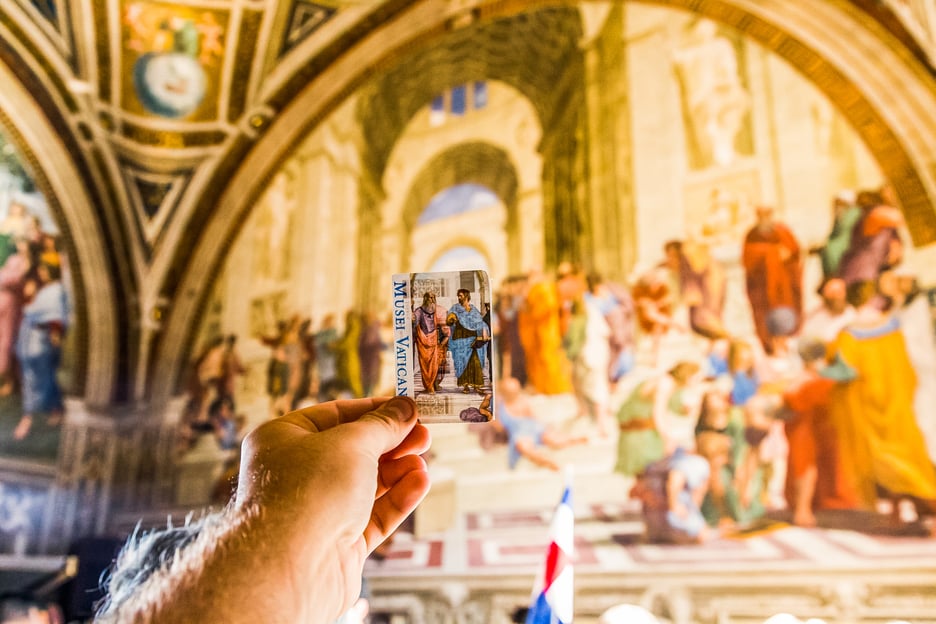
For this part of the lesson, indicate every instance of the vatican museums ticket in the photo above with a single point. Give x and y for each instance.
(442, 344)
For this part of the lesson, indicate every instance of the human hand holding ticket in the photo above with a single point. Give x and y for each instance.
(443, 350)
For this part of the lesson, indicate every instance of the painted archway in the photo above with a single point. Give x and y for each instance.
(466, 245)
(876, 80)
(478, 163)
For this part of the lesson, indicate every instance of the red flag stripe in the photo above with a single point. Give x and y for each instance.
(556, 561)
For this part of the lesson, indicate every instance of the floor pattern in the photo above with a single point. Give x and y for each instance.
(609, 538)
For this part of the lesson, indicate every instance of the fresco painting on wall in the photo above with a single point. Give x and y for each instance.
(35, 315)
(173, 56)
(271, 228)
(769, 271)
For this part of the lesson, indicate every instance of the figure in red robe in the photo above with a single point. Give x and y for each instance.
(816, 478)
(432, 338)
(774, 274)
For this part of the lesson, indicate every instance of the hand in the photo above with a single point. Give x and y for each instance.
(335, 480)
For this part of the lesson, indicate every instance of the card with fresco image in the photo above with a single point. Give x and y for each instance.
(442, 344)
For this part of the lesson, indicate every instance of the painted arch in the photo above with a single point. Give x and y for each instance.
(478, 163)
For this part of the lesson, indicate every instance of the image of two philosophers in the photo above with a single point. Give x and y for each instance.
(463, 331)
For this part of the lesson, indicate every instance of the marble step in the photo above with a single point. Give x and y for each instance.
(534, 488)
(470, 460)
(555, 411)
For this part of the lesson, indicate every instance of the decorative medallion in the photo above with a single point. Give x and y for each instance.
(172, 60)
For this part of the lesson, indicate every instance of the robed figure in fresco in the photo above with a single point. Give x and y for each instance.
(872, 410)
(816, 478)
(431, 334)
(469, 337)
(541, 337)
(774, 273)
(701, 285)
(875, 244)
(347, 358)
(39, 348)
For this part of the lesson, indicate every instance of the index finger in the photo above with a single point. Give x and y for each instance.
(327, 415)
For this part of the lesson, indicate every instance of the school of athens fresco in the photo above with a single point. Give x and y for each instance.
(757, 224)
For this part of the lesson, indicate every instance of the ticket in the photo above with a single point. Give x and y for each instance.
(442, 344)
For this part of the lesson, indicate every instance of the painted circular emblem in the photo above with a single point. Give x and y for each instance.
(169, 84)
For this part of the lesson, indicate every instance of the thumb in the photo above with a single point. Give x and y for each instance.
(385, 428)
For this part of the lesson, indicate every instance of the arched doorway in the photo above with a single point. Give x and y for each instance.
(458, 231)
(445, 188)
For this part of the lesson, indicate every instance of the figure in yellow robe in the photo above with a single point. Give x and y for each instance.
(348, 359)
(879, 438)
(540, 334)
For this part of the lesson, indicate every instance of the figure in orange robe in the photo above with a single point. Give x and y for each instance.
(774, 273)
(538, 319)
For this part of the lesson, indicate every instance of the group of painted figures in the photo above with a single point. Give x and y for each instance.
(462, 331)
(34, 318)
(304, 367)
(818, 410)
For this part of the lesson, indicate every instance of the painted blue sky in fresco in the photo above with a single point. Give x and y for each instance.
(457, 200)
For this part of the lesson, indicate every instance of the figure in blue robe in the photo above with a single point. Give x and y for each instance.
(39, 344)
(469, 337)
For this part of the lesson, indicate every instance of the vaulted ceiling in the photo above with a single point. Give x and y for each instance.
(529, 51)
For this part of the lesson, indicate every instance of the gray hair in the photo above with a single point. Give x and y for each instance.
(144, 554)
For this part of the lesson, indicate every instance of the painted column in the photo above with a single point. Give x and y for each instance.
(608, 142)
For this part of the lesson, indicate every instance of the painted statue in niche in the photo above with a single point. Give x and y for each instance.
(173, 56)
(35, 315)
(714, 99)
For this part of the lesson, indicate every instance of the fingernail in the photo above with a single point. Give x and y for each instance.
(404, 408)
